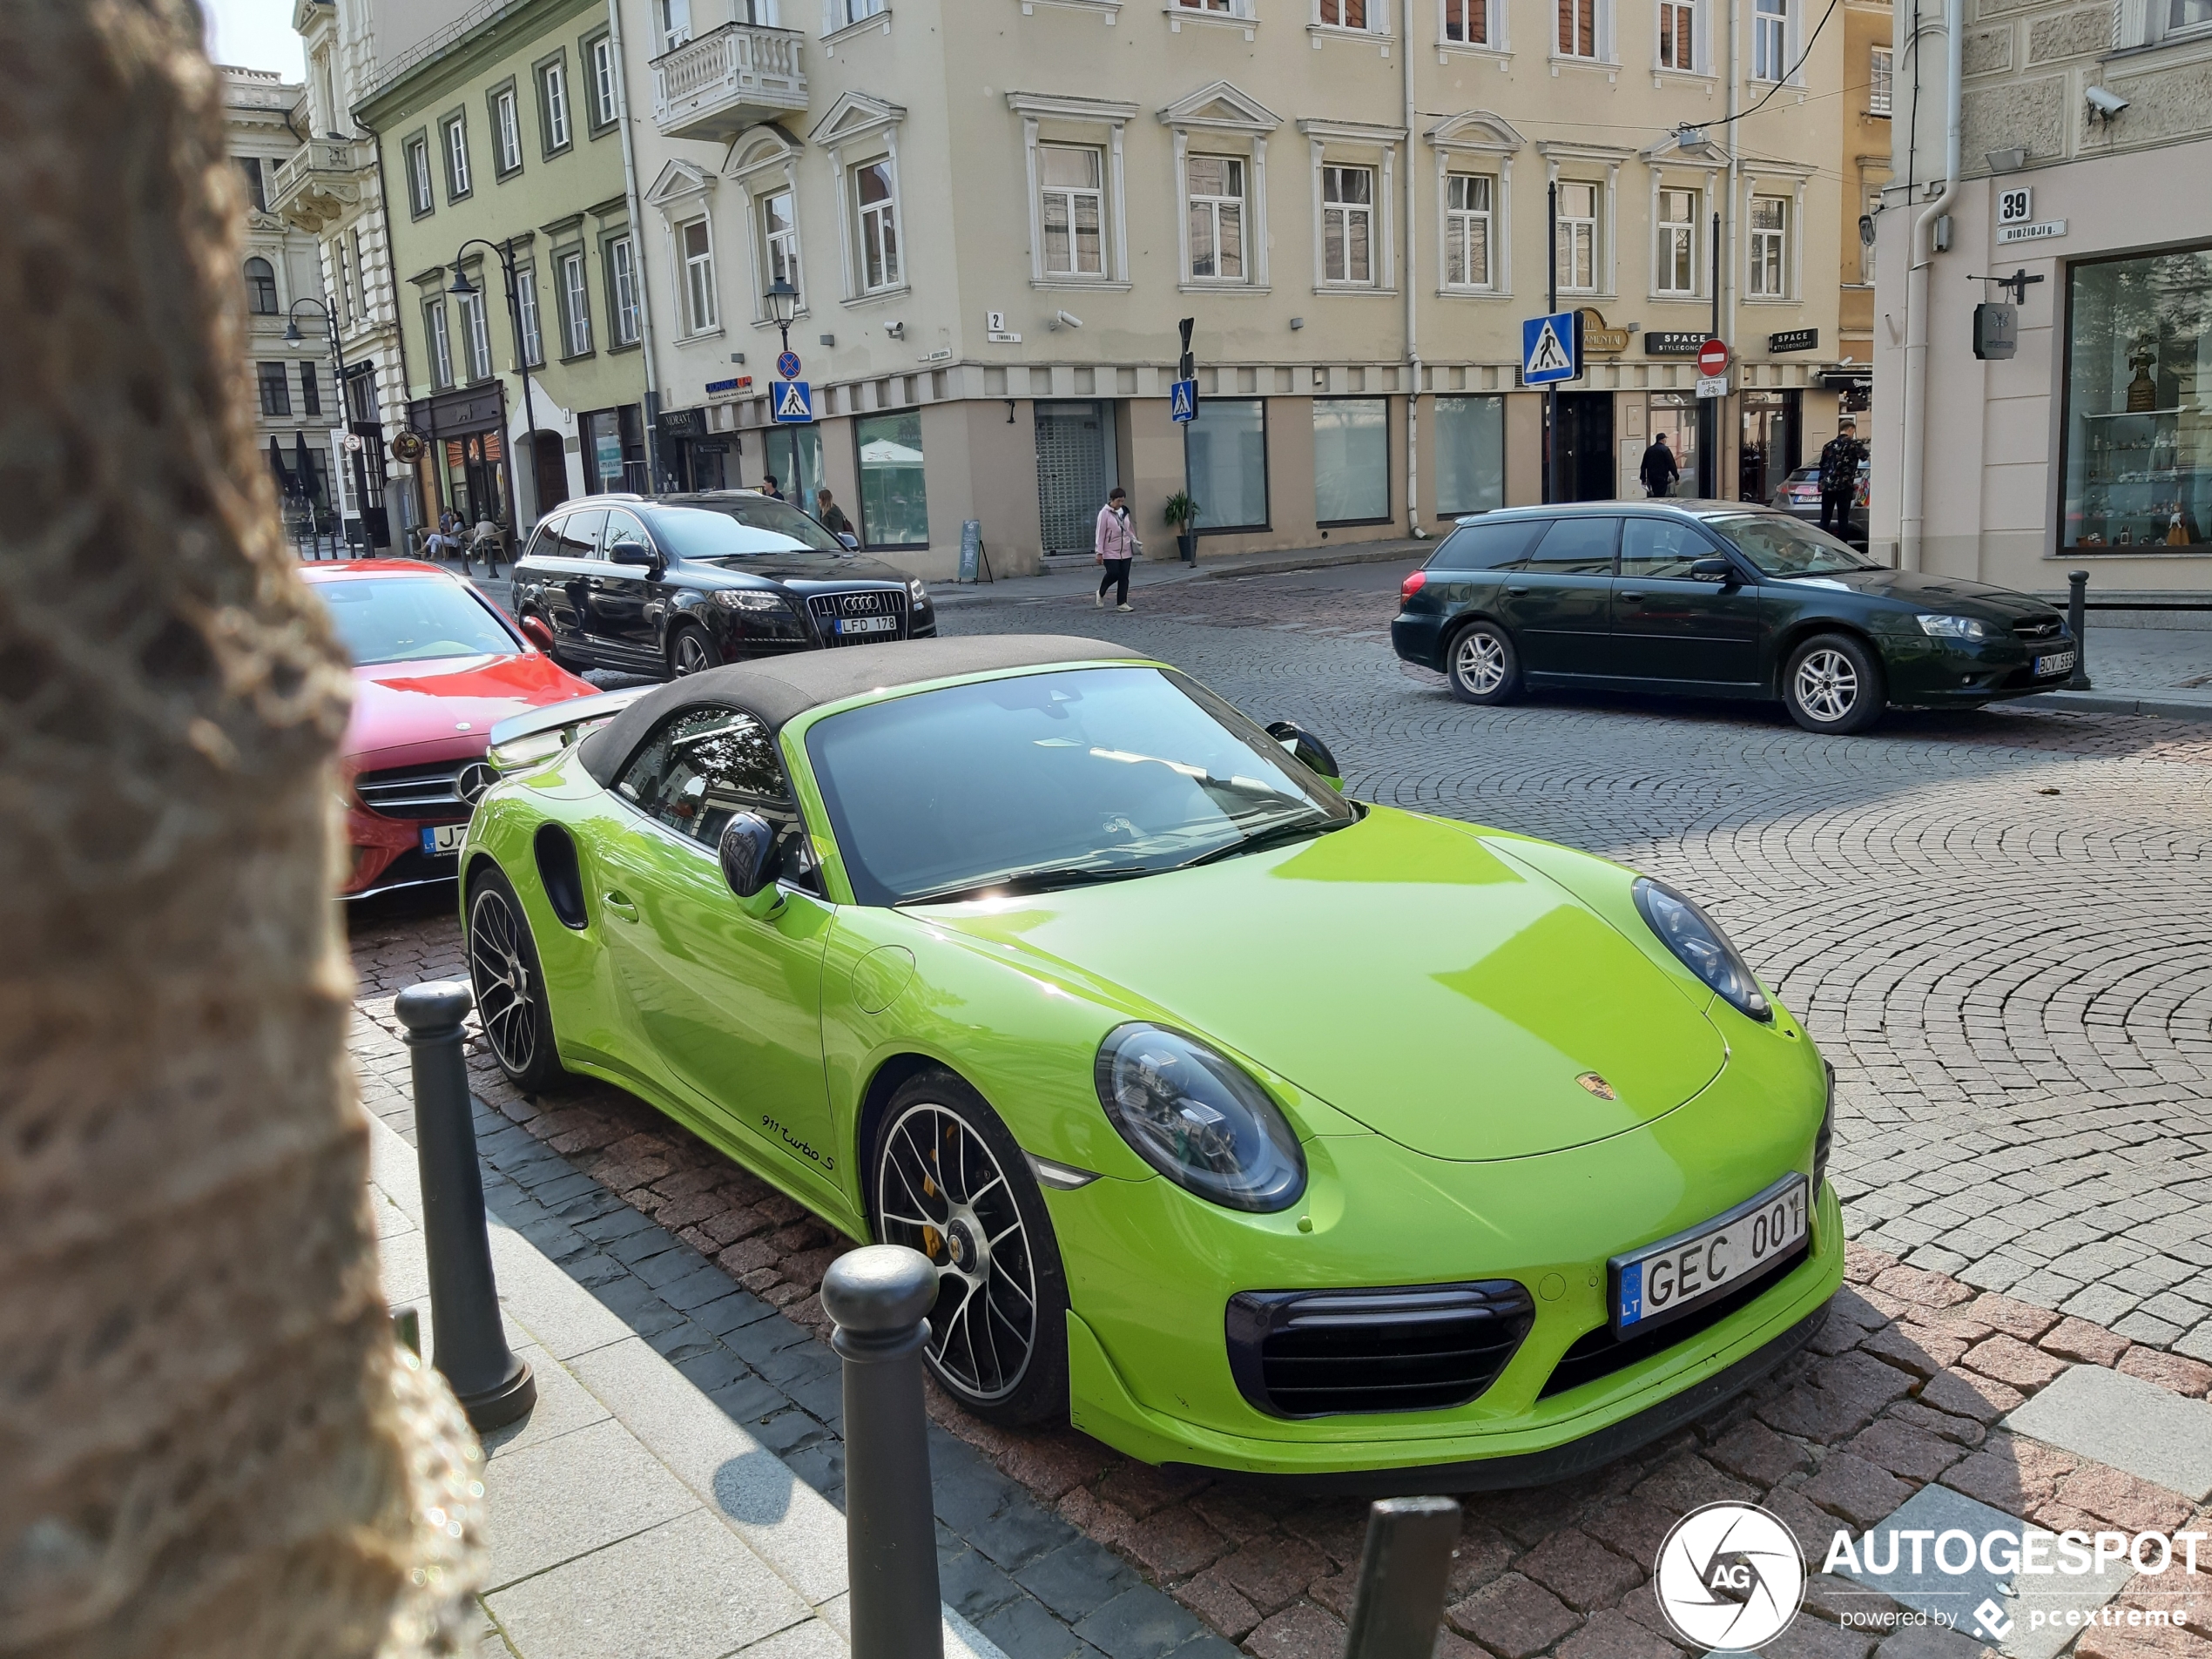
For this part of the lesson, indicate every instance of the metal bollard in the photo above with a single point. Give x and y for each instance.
(469, 1339)
(1403, 1573)
(2077, 605)
(878, 1295)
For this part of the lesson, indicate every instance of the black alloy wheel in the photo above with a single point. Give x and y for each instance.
(1483, 664)
(690, 650)
(950, 1182)
(1833, 685)
(509, 986)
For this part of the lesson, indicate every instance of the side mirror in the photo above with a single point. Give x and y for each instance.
(852, 542)
(538, 634)
(1715, 569)
(748, 853)
(634, 553)
(1308, 752)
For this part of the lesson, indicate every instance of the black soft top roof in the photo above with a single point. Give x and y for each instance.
(779, 689)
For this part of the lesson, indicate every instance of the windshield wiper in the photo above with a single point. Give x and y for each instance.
(1044, 881)
(1261, 840)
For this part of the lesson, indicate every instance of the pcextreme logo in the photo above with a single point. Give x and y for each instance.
(1729, 1577)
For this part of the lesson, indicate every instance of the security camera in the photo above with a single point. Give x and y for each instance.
(2102, 104)
(895, 330)
(1063, 317)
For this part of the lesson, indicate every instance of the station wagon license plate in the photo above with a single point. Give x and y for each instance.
(2058, 662)
(1654, 1284)
(443, 841)
(868, 625)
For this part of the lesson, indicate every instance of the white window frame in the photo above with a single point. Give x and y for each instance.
(437, 333)
(475, 334)
(421, 183)
(508, 112)
(360, 272)
(606, 105)
(870, 221)
(1594, 224)
(625, 299)
(672, 21)
(1459, 222)
(1243, 199)
(780, 250)
(1494, 25)
(1664, 38)
(1767, 250)
(347, 296)
(1070, 198)
(553, 88)
(574, 269)
(456, 131)
(847, 13)
(1343, 214)
(1881, 74)
(1098, 126)
(702, 303)
(1377, 21)
(526, 308)
(1774, 29)
(1600, 41)
(1666, 231)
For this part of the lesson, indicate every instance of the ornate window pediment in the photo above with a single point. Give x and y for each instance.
(764, 149)
(1479, 130)
(1221, 108)
(855, 115)
(683, 186)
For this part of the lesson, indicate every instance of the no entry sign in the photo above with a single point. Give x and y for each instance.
(1712, 359)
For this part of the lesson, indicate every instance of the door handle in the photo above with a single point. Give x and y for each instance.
(620, 906)
(1512, 590)
(1627, 596)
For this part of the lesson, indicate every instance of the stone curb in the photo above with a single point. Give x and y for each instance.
(1166, 572)
(2165, 707)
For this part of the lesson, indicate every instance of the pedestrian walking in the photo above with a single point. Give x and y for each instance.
(832, 515)
(1839, 464)
(1659, 470)
(1116, 547)
(768, 486)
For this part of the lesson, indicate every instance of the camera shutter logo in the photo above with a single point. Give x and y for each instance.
(1729, 1577)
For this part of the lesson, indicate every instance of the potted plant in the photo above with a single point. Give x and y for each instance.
(1182, 513)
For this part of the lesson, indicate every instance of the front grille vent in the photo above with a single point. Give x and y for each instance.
(413, 792)
(2039, 628)
(829, 607)
(1600, 1353)
(1412, 1348)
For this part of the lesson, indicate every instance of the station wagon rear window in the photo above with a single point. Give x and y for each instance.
(1487, 545)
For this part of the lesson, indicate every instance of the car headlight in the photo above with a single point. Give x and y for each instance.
(748, 599)
(916, 592)
(1199, 1119)
(526, 751)
(1951, 627)
(1701, 946)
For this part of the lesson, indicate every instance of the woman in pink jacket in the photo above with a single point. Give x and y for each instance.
(1116, 546)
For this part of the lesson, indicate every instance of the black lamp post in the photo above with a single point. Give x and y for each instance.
(783, 305)
(293, 337)
(505, 253)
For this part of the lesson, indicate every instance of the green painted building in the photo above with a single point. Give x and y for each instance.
(502, 154)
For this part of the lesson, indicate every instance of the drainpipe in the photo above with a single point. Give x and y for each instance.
(1405, 275)
(638, 246)
(1911, 496)
(1724, 279)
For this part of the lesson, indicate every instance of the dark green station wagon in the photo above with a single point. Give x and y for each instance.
(1712, 598)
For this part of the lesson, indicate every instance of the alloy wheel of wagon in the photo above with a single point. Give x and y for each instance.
(1833, 683)
(1482, 666)
(951, 1183)
(690, 652)
(509, 986)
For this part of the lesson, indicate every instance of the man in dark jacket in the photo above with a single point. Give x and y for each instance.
(1659, 470)
(1840, 463)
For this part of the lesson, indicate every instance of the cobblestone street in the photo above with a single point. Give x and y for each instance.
(1993, 924)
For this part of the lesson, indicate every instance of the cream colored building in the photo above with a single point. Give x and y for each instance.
(2086, 165)
(995, 216)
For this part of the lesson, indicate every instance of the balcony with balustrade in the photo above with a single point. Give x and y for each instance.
(728, 79)
(321, 182)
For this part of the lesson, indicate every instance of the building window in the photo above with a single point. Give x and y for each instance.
(1470, 435)
(1771, 40)
(360, 270)
(844, 13)
(553, 104)
(1224, 457)
(341, 261)
(1677, 34)
(526, 313)
(1351, 460)
(506, 127)
(256, 189)
(879, 226)
(456, 133)
(613, 442)
(1577, 238)
(1770, 255)
(1341, 14)
(894, 495)
(1216, 186)
(1347, 224)
(780, 237)
(1466, 230)
(1468, 21)
(434, 329)
(793, 456)
(276, 388)
(675, 19)
(1676, 270)
(260, 287)
(2187, 14)
(476, 335)
(1225, 7)
(1878, 79)
(697, 243)
(604, 104)
(310, 390)
(1074, 210)
(576, 305)
(419, 188)
(2138, 456)
(625, 314)
(1577, 28)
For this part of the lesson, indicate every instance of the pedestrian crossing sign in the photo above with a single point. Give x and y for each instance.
(1547, 349)
(794, 401)
(1182, 400)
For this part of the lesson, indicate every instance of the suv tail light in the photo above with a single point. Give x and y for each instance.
(1411, 585)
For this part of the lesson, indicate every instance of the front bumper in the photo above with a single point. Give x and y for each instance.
(1927, 672)
(386, 854)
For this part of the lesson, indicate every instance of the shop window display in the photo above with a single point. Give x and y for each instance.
(2139, 379)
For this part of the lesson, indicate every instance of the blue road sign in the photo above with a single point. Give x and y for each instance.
(1182, 400)
(794, 401)
(787, 365)
(1547, 349)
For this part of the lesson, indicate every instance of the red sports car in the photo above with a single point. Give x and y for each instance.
(435, 665)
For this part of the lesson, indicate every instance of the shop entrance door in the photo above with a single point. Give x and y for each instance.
(1585, 438)
(549, 466)
(476, 477)
(1074, 470)
(1770, 443)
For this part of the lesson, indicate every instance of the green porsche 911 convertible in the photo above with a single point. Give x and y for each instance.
(1249, 1127)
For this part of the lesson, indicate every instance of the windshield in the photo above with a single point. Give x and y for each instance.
(707, 533)
(1787, 547)
(764, 513)
(1052, 779)
(412, 619)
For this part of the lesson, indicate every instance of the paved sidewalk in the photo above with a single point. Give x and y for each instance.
(1082, 581)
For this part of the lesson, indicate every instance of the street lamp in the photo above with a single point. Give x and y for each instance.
(358, 526)
(783, 305)
(504, 252)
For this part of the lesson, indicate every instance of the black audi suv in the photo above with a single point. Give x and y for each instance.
(674, 583)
